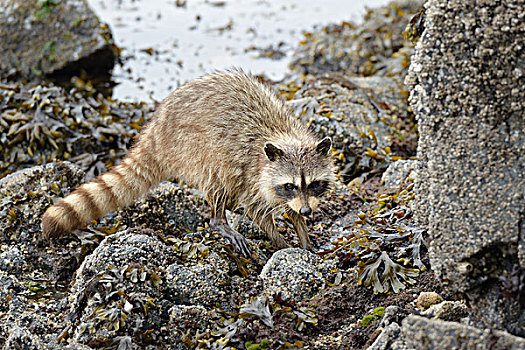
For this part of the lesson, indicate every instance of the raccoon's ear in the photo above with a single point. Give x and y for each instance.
(324, 145)
(272, 152)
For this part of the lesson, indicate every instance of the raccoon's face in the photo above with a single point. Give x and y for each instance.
(297, 175)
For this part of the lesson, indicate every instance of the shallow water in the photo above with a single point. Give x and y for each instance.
(165, 44)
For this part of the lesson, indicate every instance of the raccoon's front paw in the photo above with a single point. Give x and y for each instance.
(306, 243)
(279, 242)
(240, 243)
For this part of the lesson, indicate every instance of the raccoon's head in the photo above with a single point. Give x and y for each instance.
(297, 173)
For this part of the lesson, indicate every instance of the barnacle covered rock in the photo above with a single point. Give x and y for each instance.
(12, 260)
(168, 208)
(53, 38)
(398, 172)
(190, 325)
(296, 274)
(200, 283)
(21, 338)
(422, 333)
(26, 194)
(468, 89)
(119, 287)
(25, 324)
(134, 277)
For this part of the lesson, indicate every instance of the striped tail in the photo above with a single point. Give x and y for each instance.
(115, 189)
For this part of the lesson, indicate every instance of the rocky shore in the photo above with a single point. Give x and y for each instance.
(420, 245)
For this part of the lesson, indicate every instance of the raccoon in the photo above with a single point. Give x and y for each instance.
(232, 138)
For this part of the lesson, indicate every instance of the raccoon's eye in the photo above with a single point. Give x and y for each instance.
(290, 187)
(286, 191)
(317, 187)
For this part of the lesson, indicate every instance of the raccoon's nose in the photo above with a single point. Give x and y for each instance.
(305, 211)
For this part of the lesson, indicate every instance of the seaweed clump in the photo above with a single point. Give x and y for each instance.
(383, 243)
(375, 47)
(246, 323)
(45, 123)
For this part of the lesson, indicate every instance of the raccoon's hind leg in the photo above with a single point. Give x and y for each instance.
(220, 223)
(300, 227)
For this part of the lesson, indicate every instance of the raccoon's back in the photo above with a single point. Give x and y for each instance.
(216, 127)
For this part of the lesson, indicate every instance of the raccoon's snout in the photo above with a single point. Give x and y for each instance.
(305, 211)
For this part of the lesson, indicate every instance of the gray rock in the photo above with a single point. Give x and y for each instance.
(389, 329)
(385, 339)
(12, 260)
(22, 179)
(295, 274)
(26, 324)
(390, 316)
(133, 246)
(119, 287)
(52, 38)
(22, 338)
(167, 208)
(202, 283)
(186, 323)
(133, 283)
(24, 196)
(468, 94)
(397, 172)
(422, 333)
(447, 311)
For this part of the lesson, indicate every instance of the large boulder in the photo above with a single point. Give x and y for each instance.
(52, 38)
(468, 93)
